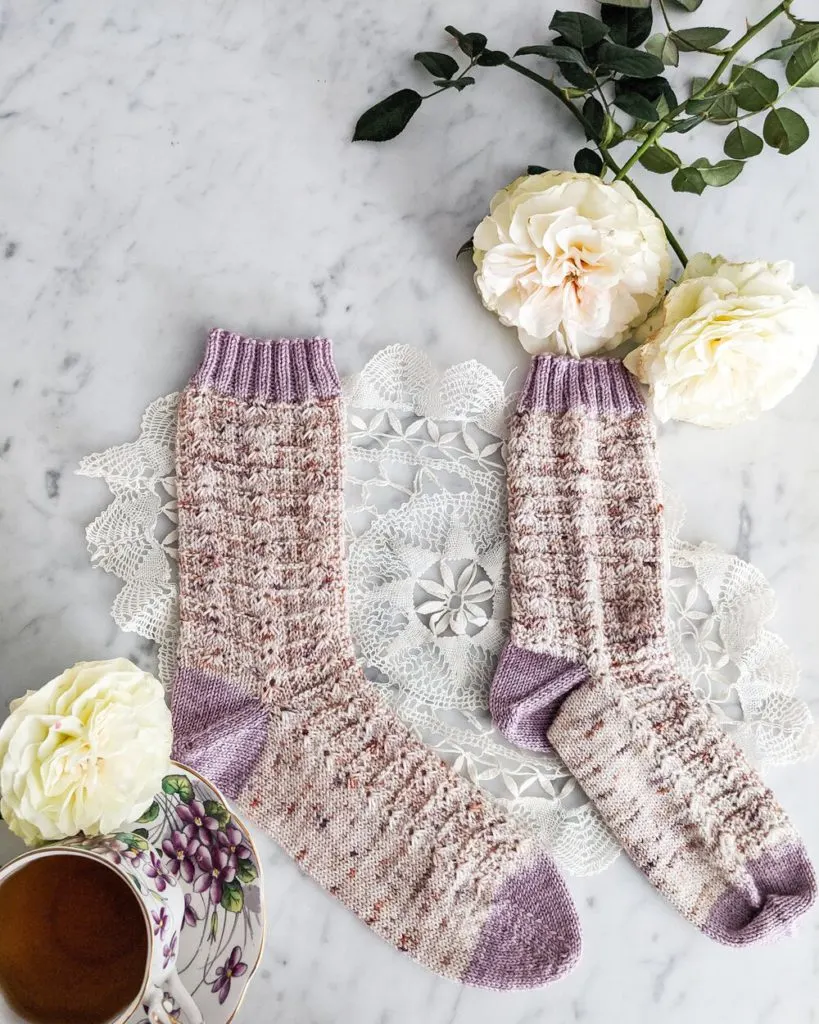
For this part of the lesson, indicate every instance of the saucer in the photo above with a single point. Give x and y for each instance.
(188, 828)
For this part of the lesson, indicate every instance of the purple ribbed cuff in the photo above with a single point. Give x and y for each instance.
(565, 384)
(278, 370)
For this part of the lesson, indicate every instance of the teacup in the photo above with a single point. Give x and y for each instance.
(89, 929)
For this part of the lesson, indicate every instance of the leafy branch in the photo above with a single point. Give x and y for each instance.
(609, 74)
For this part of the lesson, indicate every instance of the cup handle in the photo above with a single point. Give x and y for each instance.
(155, 1008)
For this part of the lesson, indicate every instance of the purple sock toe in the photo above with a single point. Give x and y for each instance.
(785, 887)
(532, 934)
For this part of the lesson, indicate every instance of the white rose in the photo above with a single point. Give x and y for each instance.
(729, 341)
(572, 262)
(85, 753)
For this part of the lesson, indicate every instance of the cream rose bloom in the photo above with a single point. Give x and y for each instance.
(572, 262)
(85, 753)
(729, 341)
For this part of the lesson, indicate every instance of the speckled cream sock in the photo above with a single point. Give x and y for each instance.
(269, 703)
(590, 669)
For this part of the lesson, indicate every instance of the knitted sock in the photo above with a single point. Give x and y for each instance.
(269, 703)
(590, 669)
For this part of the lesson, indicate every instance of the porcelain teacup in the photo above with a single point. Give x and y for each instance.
(161, 904)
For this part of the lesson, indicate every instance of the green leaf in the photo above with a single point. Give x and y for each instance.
(636, 105)
(717, 103)
(149, 815)
(660, 160)
(595, 115)
(685, 124)
(586, 161)
(562, 54)
(785, 130)
(471, 43)
(213, 928)
(651, 88)
(246, 871)
(688, 179)
(688, 39)
(720, 173)
(459, 84)
(581, 30)
(492, 58)
(742, 143)
(630, 3)
(753, 90)
(723, 109)
(467, 246)
(647, 99)
(802, 34)
(141, 832)
(665, 48)
(802, 70)
(388, 118)
(440, 65)
(627, 26)
(216, 810)
(531, 169)
(178, 785)
(634, 63)
(233, 898)
(577, 76)
(687, 5)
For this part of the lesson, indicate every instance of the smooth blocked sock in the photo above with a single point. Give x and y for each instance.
(589, 668)
(269, 703)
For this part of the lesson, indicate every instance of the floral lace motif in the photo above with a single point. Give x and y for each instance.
(429, 600)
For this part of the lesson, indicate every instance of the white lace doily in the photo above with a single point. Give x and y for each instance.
(428, 586)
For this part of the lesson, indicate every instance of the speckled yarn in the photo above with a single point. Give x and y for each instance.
(589, 669)
(269, 703)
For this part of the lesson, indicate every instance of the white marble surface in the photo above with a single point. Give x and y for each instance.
(165, 167)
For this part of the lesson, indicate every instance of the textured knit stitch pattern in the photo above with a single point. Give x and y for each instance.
(269, 702)
(590, 664)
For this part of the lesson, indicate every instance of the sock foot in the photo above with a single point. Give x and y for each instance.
(531, 936)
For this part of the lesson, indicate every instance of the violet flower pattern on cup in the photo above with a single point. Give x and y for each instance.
(233, 968)
(232, 842)
(181, 849)
(188, 838)
(169, 950)
(156, 871)
(197, 821)
(216, 870)
(160, 919)
(191, 918)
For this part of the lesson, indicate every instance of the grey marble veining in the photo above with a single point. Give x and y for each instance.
(166, 167)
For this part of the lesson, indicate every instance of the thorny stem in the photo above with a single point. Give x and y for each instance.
(608, 159)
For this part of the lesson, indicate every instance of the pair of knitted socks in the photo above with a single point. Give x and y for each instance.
(268, 701)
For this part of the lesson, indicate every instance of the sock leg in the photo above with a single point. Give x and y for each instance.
(587, 587)
(268, 697)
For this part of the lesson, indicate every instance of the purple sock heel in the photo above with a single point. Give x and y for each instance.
(527, 691)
